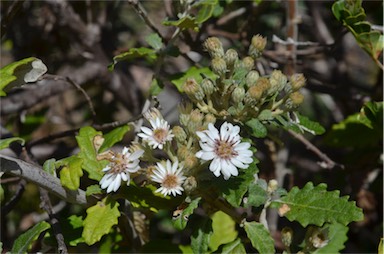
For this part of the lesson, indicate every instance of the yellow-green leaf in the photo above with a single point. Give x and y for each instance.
(224, 230)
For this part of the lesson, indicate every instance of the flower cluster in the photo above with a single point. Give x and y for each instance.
(207, 138)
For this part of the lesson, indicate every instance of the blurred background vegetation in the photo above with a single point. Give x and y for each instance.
(78, 39)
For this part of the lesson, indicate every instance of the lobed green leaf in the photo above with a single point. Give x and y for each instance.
(201, 235)
(186, 22)
(224, 230)
(260, 237)
(99, 221)
(71, 171)
(133, 53)
(233, 247)
(258, 129)
(154, 40)
(180, 222)
(192, 73)
(316, 205)
(337, 236)
(114, 136)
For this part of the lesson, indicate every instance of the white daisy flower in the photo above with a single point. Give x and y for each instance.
(170, 178)
(158, 135)
(225, 150)
(119, 169)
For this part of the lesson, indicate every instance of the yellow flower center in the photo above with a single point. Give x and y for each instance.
(160, 135)
(170, 182)
(224, 150)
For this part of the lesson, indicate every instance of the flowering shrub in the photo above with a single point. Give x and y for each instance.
(201, 175)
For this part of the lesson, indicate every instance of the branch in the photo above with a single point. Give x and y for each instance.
(35, 174)
(327, 162)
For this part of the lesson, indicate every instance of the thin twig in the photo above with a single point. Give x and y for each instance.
(143, 14)
(5, 209)
(327, 162)
(231, 15)
(290, 41)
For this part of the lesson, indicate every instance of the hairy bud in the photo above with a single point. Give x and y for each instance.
(193, 90)
(214, 47)
(257, 46)
(297, 81)
(278, 81)
(287, 236)
(190, 184)
(179, 133)
(208, 86)
(248, 63)
(231, 57)
(238, 94)
(219, 66)
(252, 78)
(296, 98)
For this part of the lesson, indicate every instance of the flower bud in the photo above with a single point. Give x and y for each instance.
(153, 113)
(196, 116)
(193, 90)
(214, 47)
(191, 161)
(238, 94)
(287, 236)
(184, 119)
(255, 93)
(209, 118)
(278, 81)
(183, 152)
(296, 98)
(252, 78)
(231, 57)
(264, 83)
(297, 81)
(179, 133)
(207, 86)
(257, 46)
(219, 66)
(190, 184)
(248, 63)
(272, 186)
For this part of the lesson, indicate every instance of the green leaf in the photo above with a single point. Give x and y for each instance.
(260, 238)
(20, 72)
(224, 230)
(233, 247)
(337, 236)
(201, 235)
(4, 143)
(49, 166)
(114, 136)
(196, 73)
(99, 221)
(186, 249)
(154, 40)
(235, 188)
(181, 220)
(71, 172)
(93, 189)
(23, 242)
(316, 205)
(206, 11)
(76, 221)
(187, 22)
(308, 125)
(381, 244)
(258, 129)
(133, 53)
(265, 115)
(88, 152)
(257, 195)
(156, 87)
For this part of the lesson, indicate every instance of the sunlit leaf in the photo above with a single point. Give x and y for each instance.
(23, 242)
(233, 247)
(186, 22)
(99, 221)
(71, 171)
(224, 230)
(88, 152)
(260, 238)
(4, 143)
(316, 205)
(114, 136)
(192, 73)
(93, 189)
(133, 53)
(49, 166)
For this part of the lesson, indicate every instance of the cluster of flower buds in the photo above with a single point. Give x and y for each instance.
(239, 93)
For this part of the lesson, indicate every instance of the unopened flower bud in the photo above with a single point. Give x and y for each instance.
(191, 161)
(272, 186)
(209, 118)
(248, 63)
(196, 116)
(252, 78)
(219, 66)
(287, 236)
(183, 152)
(193, 90)
(214, 47)
(238, 94)
(184, 119)
(255, 93)
(231, 57)
(278, 81)
(190, 184)
(257, 46)
(264, 83)
(153, 113)
(297, 81)
(179, 133)
(207, 86)
(296, 98)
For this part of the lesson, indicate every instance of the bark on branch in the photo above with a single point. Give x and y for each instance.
(35, 174)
